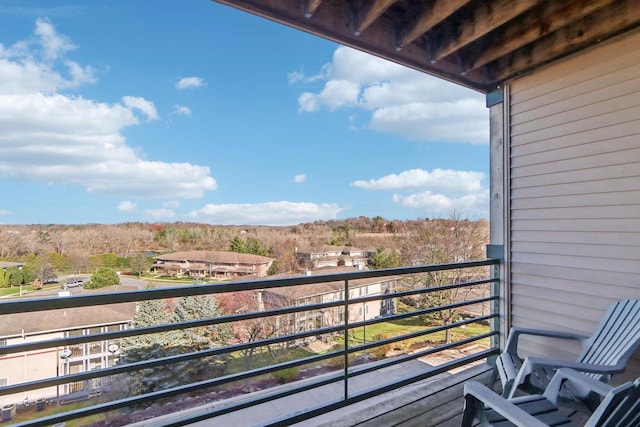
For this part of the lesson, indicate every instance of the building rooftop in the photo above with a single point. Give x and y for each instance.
(215, 256)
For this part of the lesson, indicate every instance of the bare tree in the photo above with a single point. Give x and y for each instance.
(444, 241)
(249, 330)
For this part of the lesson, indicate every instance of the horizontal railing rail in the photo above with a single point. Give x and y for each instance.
(338, 332)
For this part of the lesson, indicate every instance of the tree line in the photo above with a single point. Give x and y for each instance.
(127, 247)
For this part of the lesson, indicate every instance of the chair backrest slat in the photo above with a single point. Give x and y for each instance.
(629, 409)
(619, 408)
(617, 336)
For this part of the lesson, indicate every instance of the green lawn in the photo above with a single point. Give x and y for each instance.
(262, 358)
(31, 413)
(410, 325)
(15, 290)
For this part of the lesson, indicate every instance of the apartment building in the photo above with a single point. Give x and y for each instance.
(332, 256)
(45, 363)
(214, 264)
(332, 291)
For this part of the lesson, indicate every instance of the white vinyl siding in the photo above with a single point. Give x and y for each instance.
(574, 158)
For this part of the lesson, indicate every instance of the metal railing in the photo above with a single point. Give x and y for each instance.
(349, 349)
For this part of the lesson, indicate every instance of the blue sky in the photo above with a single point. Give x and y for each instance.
(116, 111)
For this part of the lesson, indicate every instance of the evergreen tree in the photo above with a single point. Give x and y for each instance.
(60, 262)
(147, 347)
(153, 346)
(148, 313)
(199, 338)
(103, 277)
(238, 245)
(384, 259)
(15, 276)
(5, 278)
(248, 246)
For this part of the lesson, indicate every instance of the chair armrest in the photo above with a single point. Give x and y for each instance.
(515, 333)
(552, 391)
(477, 394)
(532, 363)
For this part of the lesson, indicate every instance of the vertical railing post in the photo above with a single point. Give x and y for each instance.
(495, 305)
(495, 252)
(346, 339)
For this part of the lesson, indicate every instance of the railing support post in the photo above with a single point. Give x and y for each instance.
(495, 291)
(346, 339)
(496, 252)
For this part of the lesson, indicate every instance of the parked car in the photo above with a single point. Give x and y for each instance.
(73, 283)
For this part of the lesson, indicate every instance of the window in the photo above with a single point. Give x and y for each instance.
(4, 382)
(3, 342)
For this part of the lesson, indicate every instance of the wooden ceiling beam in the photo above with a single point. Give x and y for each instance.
(369, 13)
(476, 43)
(553, 16)
(486, 17)
(622, 15)
(438, 12)
(310, 7)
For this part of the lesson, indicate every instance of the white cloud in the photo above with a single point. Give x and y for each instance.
(295, 77)
(80, 75)
(437, 193)
(181, 110)
(189, 83)
(146, 107)
(445, 180)
(453, 121)
(300, 178)
(172, 204)
(29, 66)
(336, 94)
(51, 137)
(298, 76)
(53, 44)
(127, 206)
(158, 214)
(271, 213)
(400, 100)
(5, 212)
(308, 102)
(439, 205)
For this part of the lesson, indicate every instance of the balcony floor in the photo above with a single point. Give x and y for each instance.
(436, 401)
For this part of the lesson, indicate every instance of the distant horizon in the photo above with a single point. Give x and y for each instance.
(121, 111)
(237, 225)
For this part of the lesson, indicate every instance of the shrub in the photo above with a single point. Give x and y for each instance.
(381, 351)
(104, 276)
(401, 345)
(338, 361)
(287, 374)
